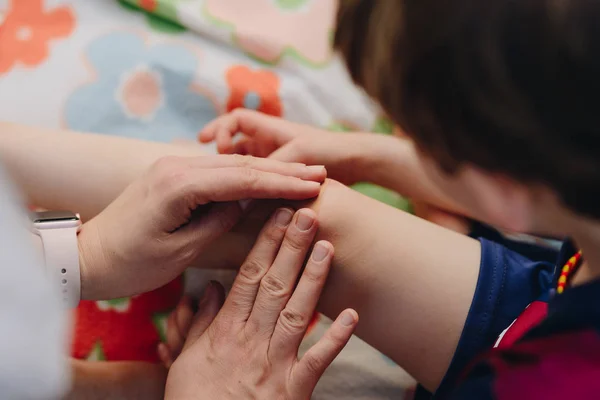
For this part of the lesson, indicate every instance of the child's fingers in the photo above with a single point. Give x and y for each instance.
(164, 355)
(183, 317)
(286, 153)
(309, 369)
(224, 140)
(208, 308)
(244, 146)
(178, 325)
(174, 339)
(207, 134)
(251, 123)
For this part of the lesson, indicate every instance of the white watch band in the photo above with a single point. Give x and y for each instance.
(62, 262)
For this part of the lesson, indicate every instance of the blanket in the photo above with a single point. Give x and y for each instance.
(160, 70)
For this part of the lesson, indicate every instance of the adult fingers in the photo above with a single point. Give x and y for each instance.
(203, 186)
(314, 173)
(241, 298)
(208, 308)
(313, 364)
(295, 317)
(278, 283)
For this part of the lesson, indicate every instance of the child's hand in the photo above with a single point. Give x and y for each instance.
(178, 325)
(344, 155)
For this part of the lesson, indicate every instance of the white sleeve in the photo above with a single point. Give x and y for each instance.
(33, 327)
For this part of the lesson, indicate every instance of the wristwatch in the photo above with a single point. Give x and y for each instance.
(58, 231)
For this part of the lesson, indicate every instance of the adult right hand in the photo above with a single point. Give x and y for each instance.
(163, 221)
(249, 349)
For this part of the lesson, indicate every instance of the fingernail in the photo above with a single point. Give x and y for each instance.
(305, 221)
(316, 168)
(244, 204)
(320, 252)
(347, 318)
(284, 217)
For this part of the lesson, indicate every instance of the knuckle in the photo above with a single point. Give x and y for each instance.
(274, 287)
(251, 271)
(218, 335)
(237, 112)
(312, 276)
(313, 364)
(251, 178)
(186, 255)
(243, 161)
(165, 164)
(296, 242)
(292, 321)
(273, 236)
(167, 173)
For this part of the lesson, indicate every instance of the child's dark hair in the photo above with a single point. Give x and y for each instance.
(512, 86)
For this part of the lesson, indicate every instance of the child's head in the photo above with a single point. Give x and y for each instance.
(503, 94)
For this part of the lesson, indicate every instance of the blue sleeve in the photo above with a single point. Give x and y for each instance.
(511, 276)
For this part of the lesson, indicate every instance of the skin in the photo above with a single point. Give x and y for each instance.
(383, 256)
(263, 322)
(164, 227)
(350, 157)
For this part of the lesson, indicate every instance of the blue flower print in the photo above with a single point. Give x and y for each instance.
(140, 92)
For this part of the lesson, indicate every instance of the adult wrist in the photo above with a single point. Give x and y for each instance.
(91, 263)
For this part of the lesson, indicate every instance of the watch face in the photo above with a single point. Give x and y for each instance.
(47, 216)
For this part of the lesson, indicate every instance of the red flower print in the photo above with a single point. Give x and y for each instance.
(27, 30)
(258, 90)
(123, 330)
(148, 5)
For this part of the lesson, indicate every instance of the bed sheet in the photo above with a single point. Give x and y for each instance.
(105, 66)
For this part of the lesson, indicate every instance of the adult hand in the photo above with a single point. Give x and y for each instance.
(250, 349)
(345, 155)
(164, 220)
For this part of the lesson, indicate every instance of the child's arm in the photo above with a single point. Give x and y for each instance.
(411, 281)
(126, 380)
(349, 157)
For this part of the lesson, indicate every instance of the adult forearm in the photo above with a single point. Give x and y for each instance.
(394, 269)
(81, 172)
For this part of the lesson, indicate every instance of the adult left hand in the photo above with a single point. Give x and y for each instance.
(250, 349)
(163, 221)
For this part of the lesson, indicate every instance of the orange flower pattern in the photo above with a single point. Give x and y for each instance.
(27, 31)
(257, 90)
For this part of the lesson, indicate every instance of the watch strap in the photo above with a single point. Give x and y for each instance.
(61, 252)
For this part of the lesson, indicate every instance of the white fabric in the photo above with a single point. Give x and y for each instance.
(62, 254)
(33, 338)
